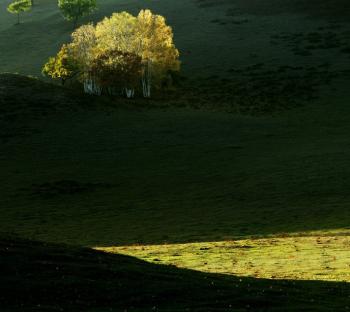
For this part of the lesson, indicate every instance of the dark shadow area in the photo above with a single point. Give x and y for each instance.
(330, 9)
(98, 172)
(39, 276)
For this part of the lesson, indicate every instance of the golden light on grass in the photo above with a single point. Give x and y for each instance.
(298, 258)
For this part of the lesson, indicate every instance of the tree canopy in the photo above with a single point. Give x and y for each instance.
(63, 66)
(18, 7)
(72, 10)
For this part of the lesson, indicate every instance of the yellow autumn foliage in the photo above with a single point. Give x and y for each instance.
(63, 66)
(147, 36)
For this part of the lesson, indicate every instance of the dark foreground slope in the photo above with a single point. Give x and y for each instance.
(22, 97)
(38, 276)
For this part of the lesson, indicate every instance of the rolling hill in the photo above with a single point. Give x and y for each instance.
(243, 170)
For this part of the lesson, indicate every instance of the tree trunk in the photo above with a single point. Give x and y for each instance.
(147, 80)
(91, 87)
(129, 93)
(75, 22)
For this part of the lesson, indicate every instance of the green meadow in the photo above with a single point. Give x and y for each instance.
(243, 172)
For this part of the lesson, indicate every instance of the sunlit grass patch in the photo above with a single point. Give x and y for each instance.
(299, 258)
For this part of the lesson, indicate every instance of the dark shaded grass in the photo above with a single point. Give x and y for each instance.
(329, 9)
(25, 96)
(104, 175)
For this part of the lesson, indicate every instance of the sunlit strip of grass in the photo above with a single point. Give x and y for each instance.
(303, 258)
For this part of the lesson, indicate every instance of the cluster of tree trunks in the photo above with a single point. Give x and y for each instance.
(91, 86)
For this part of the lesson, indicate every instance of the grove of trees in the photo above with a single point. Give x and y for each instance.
(123, 52)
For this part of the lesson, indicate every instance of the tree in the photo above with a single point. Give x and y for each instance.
(154, 41)
(63, 66)
(72, 10)
(18, 7)
(83, 49)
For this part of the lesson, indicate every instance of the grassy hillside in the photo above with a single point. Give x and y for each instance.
(262, 197)
(105, 176)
